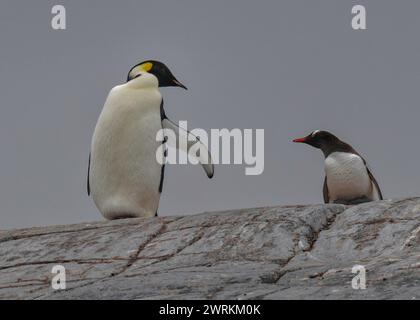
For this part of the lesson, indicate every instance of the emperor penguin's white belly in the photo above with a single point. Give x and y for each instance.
(347, 177)
(124, 173)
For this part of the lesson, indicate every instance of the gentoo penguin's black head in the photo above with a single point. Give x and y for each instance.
(159, 70)
(318, 139)
(325, 141)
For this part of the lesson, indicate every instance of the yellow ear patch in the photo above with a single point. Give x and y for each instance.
(147, 66)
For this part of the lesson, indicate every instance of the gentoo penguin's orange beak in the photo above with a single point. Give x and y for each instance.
(300, 140)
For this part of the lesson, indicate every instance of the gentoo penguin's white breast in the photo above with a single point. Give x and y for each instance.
(124, 172)
(347, 176)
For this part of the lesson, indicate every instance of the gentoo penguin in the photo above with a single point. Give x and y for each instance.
(125, 178)
(348, 180)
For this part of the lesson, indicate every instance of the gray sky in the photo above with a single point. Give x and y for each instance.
(286, 66)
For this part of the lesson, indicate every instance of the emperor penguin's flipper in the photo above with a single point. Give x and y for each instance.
(88, 178)
(204, 159)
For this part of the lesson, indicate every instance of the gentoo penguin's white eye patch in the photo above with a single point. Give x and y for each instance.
(314, 133)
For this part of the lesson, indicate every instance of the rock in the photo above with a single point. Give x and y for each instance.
(293, 252)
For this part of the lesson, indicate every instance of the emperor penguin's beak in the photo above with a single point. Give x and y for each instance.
(179, 84)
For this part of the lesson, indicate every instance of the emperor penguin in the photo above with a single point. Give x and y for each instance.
(348, 179)
(125, 179)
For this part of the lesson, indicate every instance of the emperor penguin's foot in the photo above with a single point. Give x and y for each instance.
(352, 202)
(121, 216)
(128, 215)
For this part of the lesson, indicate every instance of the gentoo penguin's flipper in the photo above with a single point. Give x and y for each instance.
(376, 190)
(205, 160)
(325, 192)
(375, 185)
(88, 183)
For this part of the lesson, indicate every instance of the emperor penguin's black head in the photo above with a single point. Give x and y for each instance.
(159, 70)
(319, 139)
